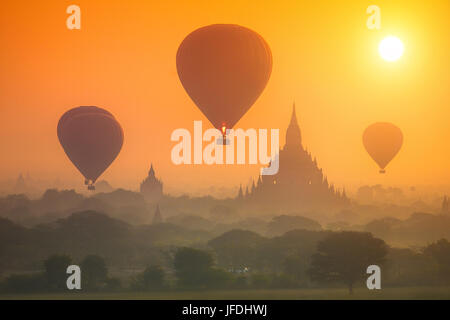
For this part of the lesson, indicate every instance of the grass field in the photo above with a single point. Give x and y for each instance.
(295, 294)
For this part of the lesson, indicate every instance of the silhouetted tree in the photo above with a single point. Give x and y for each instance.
(440, 251)
(284, 223)
(237, 249)
(406, 267)
(192, 267)
(221, 212)
(296, 242)
(345, 256)
(94, 273)
(295, 267)
(153, 278)
(260, 280)
(55, 271)
(24, 283)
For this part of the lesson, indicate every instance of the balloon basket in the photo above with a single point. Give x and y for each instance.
(382, 171)
(223, 142)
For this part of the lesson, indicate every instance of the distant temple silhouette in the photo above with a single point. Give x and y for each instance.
(157, 217)
(299, 183)
(445, 209)
(152, 187)
(20, 185)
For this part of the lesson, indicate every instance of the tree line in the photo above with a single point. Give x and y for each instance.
(232, 261)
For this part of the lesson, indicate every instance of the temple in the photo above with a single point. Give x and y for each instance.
(152, 187)
(445, 209)
(157, 217)
(299, 184)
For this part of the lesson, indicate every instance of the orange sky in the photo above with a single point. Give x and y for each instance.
(324, 58)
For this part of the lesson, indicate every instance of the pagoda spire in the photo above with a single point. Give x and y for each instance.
(445, 205)
(151, 187)
(293, 133)
(157, 217)
(151, 172)
(240, 193)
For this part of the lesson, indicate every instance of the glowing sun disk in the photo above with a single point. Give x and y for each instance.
(391, 48)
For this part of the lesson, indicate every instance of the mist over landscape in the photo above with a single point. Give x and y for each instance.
(208, 150)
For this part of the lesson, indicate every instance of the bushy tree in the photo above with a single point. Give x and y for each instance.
(94, 273)
(440, 252)
(193, 267)
(295, 267)
(55, 271)
(219, 279)
(406, 267)
(345, 256)
(24, 283)
(260, 280)
(237, 248)
(153, 278)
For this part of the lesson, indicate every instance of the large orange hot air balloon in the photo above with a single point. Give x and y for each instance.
(224, 68)
(382, 141)
(92, 139)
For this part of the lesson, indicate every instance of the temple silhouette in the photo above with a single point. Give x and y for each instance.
(299, 184)
(152, 187)
(445, 209)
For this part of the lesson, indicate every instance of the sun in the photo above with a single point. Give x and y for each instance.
(391, 48)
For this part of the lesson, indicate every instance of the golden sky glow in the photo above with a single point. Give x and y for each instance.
(324, 58)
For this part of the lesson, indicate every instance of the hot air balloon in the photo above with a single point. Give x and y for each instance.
(224, 68)
(92, 138)
(382, 141)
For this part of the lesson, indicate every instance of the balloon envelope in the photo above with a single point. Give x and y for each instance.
(382, 141)
(80, 110)
(91, 138)
(224, 68)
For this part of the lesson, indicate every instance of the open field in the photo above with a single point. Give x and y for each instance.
(294, 294)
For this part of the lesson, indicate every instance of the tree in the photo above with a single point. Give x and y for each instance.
(222, 213)
(55, 271)
(295, 267)
(284, 223)
(407, 267)
(296, 242)
(440, 252)
(24, 283)
(153, 278)
(192, 267)
(219, 278)
(345, 256)
(94, 273)
(237, 248)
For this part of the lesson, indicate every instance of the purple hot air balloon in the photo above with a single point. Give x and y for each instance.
(224, 68)
(92, 138)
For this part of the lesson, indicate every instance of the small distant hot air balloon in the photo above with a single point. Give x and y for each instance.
(224, 68)
(382, 141)
(92, 138)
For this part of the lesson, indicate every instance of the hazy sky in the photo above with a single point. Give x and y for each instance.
(324, 58)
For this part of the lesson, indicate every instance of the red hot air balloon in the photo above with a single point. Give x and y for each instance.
(92, 138)
(224, 68)
(382, 141)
